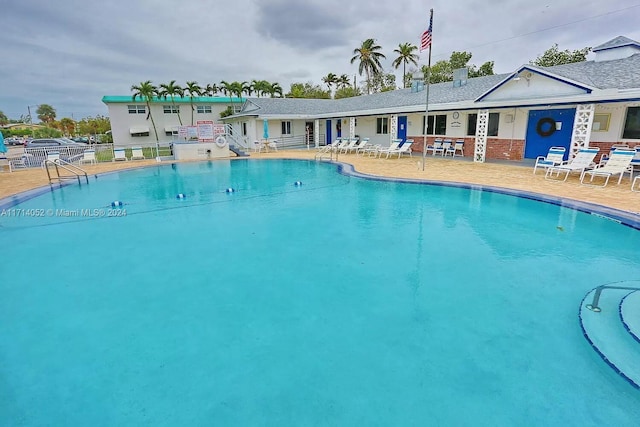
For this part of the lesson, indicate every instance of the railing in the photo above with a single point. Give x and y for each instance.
(596, 296)
(59, 163)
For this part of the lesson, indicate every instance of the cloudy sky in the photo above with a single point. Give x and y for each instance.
(70, 53)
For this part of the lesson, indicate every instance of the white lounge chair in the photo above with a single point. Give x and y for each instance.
(137, 154)
(618, 164)
(580, 163)
(119, 155)
(393, 148)
(361, 145)
(554, 157)
(89, 156)
(351, 145)
(405, 148)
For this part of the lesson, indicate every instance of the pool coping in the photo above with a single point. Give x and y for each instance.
(626, 218)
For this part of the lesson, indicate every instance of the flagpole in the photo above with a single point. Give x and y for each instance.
(426, 110)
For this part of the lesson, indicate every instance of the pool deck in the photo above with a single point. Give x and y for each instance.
(512, 175)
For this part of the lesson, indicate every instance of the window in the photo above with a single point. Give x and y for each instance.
(244, 128)
(137, 109)
(171, 132)
(286, 128)
(140, 134)
(440, 125)
(632, 123)
(171, 109)
(203, 109)
(382, 125)
(492, 128)
(601, 122)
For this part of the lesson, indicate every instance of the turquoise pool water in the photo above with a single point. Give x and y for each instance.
(343, 301)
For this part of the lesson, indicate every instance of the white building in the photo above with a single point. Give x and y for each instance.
(508, 116)
(131, 124)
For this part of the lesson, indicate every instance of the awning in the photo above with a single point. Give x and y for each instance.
(173, 128)
(139, 129)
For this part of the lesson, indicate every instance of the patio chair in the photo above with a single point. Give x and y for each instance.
(580, 163)
(446, 147)
(458, 146)
(350, 146)
(636, 180)
(273, 145)
(89, 156)
(361, 145)
(258, 146)
(393, 148)
(618, 164)
(119, 155)
(136, 153)
(436, 147)
(4, 161)
(52, 156)
(554, 157)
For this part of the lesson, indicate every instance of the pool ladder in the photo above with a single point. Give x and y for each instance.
(596, 296)
(76, 171)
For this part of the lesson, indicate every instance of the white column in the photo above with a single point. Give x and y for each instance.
(393, 128)
(582, 125)
(316, 133)
(352, 127)
(480, 148)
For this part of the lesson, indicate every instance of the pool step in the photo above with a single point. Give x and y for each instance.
(630, 314)
(607, 334)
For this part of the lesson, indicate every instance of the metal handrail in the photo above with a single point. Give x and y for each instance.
(596, 296)
(75, 170)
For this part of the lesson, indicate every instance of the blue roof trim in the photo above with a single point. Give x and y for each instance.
(587, 89)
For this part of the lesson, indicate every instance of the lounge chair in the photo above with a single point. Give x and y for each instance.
(618, 164)
(636, 180)
(361, 145)
(52, 156)
(137, 154)
(4, 161)
(554, 157)
(405, 148)
(580, 163)
(89, 156)
(436, 147)
(350, 146)
(119, 155)
(393, 148)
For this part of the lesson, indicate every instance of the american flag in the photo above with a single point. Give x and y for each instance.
(425, 40)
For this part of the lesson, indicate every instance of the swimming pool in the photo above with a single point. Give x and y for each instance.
(342, 301)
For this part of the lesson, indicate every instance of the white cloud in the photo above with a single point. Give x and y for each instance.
(70, 53)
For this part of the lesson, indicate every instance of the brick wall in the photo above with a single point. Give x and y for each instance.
(503, 149)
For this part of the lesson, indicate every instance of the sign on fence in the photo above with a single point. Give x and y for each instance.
(205, 130)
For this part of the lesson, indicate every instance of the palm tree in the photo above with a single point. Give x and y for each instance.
(330, 79)
(211, 89)
(146, 91)
(343, 81)
(405, 56)
(171, 90)
(274, 88)
(369, 58)
(193, 89)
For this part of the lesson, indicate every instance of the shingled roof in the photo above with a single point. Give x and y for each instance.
(613, 74)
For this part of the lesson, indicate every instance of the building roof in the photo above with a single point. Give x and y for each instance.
(620, 41)
(177, 99)
(594, 77)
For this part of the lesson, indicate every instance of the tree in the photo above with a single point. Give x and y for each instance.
(330, 79)
(3, 119)
(308, 90)
(46, 113)
(553, 56)
(146, 91)
(442, 71)
(343, 81)
(172, 90)
(274, 88)
(67, 125)
(369, 59)
(347, 92)
(193, 89)
(212, 89)
(383, 82)
(406, 56)
(94, 125)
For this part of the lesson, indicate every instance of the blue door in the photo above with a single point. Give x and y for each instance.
(546, 129)
(328, 137)
(402, 128)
